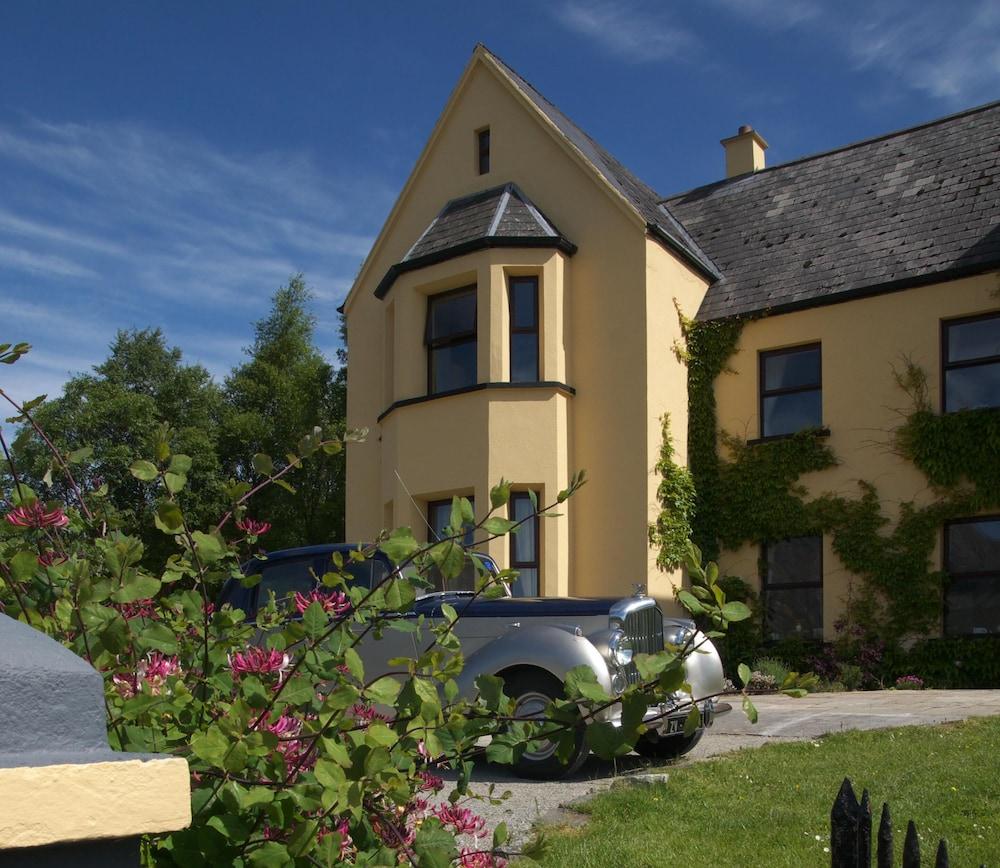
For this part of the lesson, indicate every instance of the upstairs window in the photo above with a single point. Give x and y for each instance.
(972, 561)
(791, 391)
(793, 588)
(971, 356)
(523, 292)
(483, 150)
(451, 340)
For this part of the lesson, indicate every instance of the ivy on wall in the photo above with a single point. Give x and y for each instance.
(755, 493)
(672, 529)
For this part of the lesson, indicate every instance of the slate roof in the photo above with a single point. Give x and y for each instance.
(498, 217)
(659, 219)
(920, 205)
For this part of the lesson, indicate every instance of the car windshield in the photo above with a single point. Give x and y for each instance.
(464, 581)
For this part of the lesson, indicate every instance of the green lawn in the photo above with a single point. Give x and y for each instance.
(768, 807)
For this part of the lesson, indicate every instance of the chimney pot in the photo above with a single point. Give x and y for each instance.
(744, 152)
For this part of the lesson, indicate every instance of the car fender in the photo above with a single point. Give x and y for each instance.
(555, 649)
(703, 668)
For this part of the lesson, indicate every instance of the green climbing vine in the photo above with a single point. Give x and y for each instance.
(754, 493)
(672, 529)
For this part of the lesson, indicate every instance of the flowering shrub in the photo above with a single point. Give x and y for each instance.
(297, 756)
(909, 682)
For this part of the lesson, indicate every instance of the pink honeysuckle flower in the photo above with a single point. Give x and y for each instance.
(366, 714)
(334, 602)
(49, 558)
(208, 608)
(138, 609)
(469, 858)
(462, 820)
(430, 783)
(343, 829)
(34, 515)
(392, 832)
(253, 527)
(153, 671)
(258, 662)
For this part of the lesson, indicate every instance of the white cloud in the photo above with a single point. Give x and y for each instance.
(627, 30)
(120, 225)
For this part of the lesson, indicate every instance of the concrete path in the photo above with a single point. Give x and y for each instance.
(780, 719)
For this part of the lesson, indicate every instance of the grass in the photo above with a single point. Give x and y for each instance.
(771, 806)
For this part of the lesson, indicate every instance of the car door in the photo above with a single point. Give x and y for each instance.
(396, 641)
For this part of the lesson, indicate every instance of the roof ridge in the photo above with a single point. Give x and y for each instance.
(840, 148)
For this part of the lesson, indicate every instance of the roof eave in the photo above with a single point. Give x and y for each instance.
(476, 244)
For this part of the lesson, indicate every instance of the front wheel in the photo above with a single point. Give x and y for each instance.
(667, 747)
(532, 692)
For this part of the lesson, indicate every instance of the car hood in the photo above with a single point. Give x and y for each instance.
(518, 607)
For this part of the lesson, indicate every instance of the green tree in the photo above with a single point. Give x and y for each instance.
(117, 410)
(283, 391)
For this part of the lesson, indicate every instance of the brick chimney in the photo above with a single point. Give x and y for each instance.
(744, 152)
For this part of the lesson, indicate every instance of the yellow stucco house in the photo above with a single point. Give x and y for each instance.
(524, 311)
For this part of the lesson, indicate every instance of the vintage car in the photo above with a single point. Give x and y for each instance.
(530, 642)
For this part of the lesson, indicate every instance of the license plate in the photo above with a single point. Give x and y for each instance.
(675, 725)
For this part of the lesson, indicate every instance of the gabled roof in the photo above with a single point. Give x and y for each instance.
(498, 217)
(916, 206)
(650, 205)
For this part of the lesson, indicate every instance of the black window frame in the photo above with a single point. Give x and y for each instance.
(524, 330)
(763, 392)
(456, 339)
(965, 363)
(952, 576)
(483, 142)
(536, 564)
(766, 588)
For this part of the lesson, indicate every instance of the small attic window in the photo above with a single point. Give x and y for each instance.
(483, 150)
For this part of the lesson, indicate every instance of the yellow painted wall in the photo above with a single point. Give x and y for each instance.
(670, 286)
(861, 342)
(592, 314)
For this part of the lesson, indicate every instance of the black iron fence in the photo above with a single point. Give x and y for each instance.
(851, 835)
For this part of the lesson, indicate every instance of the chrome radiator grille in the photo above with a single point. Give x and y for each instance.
(644, 627)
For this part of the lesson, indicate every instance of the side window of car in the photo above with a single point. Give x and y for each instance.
(284, 578)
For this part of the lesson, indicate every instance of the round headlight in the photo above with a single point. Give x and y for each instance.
(621, 649)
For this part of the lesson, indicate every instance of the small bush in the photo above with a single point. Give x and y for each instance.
(852, 676)
(909, 682)
(776, 669)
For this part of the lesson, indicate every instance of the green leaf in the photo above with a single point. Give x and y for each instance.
(607, 740)
(208, 546)
(500, 835)
(169, 517)
(689, 602)
(210, 746)
(263, 464)
(281, 483)
(330, 774)
(449, 558)
(383, 691)
(138, 586)
(79, 455)
(157, 636)
(735, 611)
(491, 691)
(231, 826)
(796, 692)
(354, 664)
(651, 665)
(497, 525)
(400, 545)
(434, 845)
(180, 464)
(743, 671)
(270, 855)
(749, 709)
(692, 721)
(174, 481)
(144, 470)
(500, 494)
(379, 735)
(315, 620)
(236, 760)
(581, 681)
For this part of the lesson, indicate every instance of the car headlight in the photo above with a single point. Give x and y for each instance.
(676, 634)
(621, 649)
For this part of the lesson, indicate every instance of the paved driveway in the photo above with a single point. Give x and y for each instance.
(781, 719)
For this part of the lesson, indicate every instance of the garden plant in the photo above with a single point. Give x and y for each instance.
(297, 756)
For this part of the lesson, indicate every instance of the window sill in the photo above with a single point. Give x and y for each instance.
(815, 432)
(478, 387)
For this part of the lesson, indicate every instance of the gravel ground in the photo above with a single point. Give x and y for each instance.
(781, 719)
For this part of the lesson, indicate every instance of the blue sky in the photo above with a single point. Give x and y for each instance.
(171, 163)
